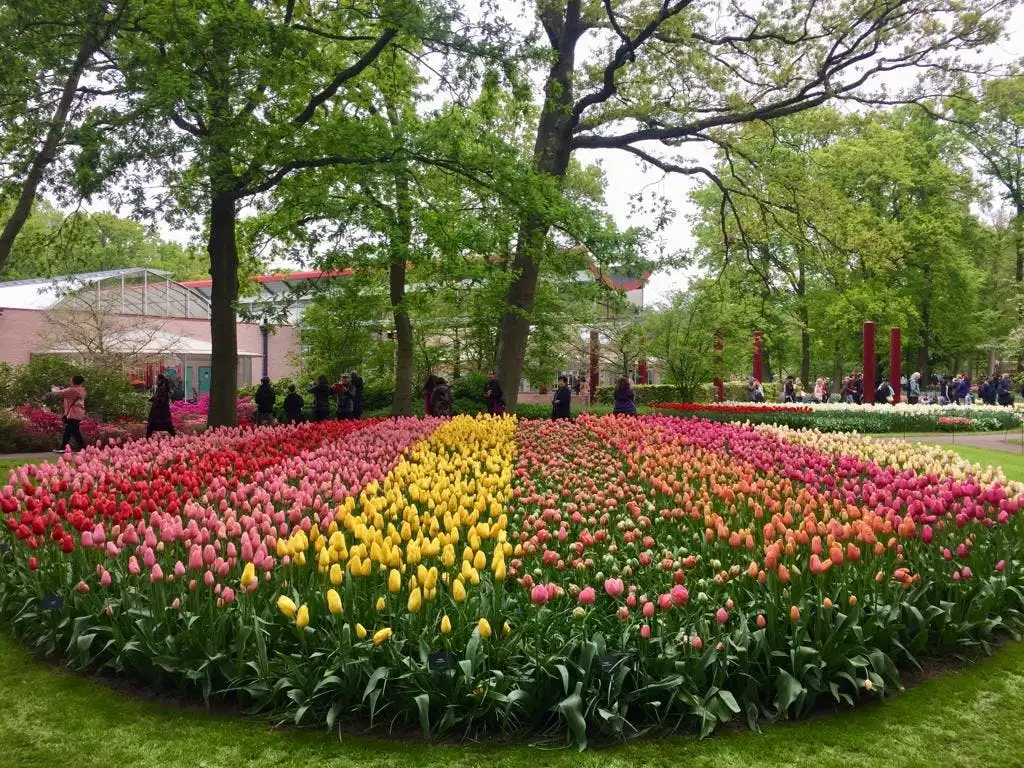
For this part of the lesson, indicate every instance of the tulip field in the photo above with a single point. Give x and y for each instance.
(589, 579)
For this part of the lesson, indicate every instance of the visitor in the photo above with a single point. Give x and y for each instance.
(265, 399)
(293, 405)
(195, 395)
(160, 409)
(914, 389)
(321, 392)
(428, 392)
(789, 391)
(884, 393)
(357, 394)
(440, 397)
(494, 395)
(343, 391)
(560, 406)
(74, 411)
(987, 390)
(625, 398)
(1004, 391)
(963, 392)
(858, 388)
(755, 391)
(819, 390)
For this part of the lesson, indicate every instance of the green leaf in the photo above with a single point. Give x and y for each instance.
(730, 701)
(571, 709)
(423, 704)
(788, 690)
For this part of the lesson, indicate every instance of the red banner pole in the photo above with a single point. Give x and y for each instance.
(868, 396)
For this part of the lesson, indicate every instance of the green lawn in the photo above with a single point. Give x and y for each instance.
(9, 464)
(964, 718)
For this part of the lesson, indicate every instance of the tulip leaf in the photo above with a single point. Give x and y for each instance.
(565, 676)
(788, 690)
(571, 709)
(423, 704)
(379, 674)
(730, 701)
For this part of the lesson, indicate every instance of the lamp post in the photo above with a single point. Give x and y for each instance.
(265, 328)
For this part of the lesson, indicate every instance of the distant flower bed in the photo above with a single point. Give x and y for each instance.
(845, 417)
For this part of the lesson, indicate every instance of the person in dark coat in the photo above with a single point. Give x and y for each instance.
(789, 390)
(321, 392)
(265, 398)
(440, 398)
(560, 406)
(625, 398)
(963, 391)
(1004, 391)
(884, 393)
(343, 391)
(293, 405)
(494, 395)
(356, 382)
(428, 391)
(160, 408)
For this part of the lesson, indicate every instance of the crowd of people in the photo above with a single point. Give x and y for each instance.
(945, 390)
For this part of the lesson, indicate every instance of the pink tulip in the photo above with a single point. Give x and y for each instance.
(648, 610)
(228, 595)
(208, 578)
(539, 595)
(105, 579)
(133, 566)
(696, 643)
(1001, 565)
(156, 574)
(195, 559)
(587, 596)
(614, 587)
(721, 616)
(645, 631)
(176, 604)
(179, 569)
(679, 594)
(665, 601)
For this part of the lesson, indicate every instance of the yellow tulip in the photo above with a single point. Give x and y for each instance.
(480, 561)
(499, 570)
(286, 606)
(381, 604)
(367, 566)
(355, 567)
(300, 558)
(249, 575)
(394, 581)
(485, 627)
(302, 617)
(415, 601)
(337, 575)
(333, 602)
(505, 629)
(324, 560)
(282, 548)
(446, 625)
(381, 635)
(458, 591)
(360, 631)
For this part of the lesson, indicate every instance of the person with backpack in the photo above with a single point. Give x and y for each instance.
(494, 395)
(1004, 391)
(160, 409)
(74, 412)
(293, 405)
(625, 398)
(560, 405)
(356, 382)
(914, 389)
(321, 392)
(440, 398)
(265, 398)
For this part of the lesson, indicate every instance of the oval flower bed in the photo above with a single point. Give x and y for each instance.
(595, 578)
(845, 417)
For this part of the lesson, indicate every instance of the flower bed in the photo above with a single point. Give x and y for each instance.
(593, 577)
(844, 417)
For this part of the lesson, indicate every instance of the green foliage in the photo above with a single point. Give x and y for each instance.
(110, 394)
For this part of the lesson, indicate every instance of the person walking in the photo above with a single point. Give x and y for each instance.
(321, 392)
(884, 393)
(625, 398)
(755, 391)
(1004, 391)
(963, 391)
(265, 398)
(914, 389)
(293, 405)
(428, 392)
(561, 405)
(819, 390)
(356, 382)
(160, 409)
(789, 390)
(494, 395)
(440, 398)
(74, 411)
(343, 391)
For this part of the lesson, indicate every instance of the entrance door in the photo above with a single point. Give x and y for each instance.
(190, 381)
(204, 379)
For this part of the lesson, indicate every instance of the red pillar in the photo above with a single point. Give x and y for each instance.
(758, 359)
(593, 366)
(641, 372)
(719, 384)
(895, 363)
(869, 363)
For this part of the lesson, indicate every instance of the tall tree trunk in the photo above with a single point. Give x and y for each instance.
(48, 151)
(456, 355)
(223, 250)
(551, 157)
(1018, 241)
(837, 372)
(805, 333)
(399, 246)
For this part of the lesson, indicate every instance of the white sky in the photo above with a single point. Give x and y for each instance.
(627, 176)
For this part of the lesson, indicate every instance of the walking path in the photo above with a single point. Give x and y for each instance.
(994, 441)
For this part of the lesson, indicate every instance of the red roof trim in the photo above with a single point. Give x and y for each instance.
(281, 278)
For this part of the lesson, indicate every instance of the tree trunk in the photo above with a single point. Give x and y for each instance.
(805, 333)
(1018, 241)
(551, 157)
(223, 250)
(48, 151)
(456, 355)
(399, 246)
(837, 382)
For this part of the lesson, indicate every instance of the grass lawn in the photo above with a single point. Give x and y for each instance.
(962, 718)
(8, 464)
(1011, 463)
